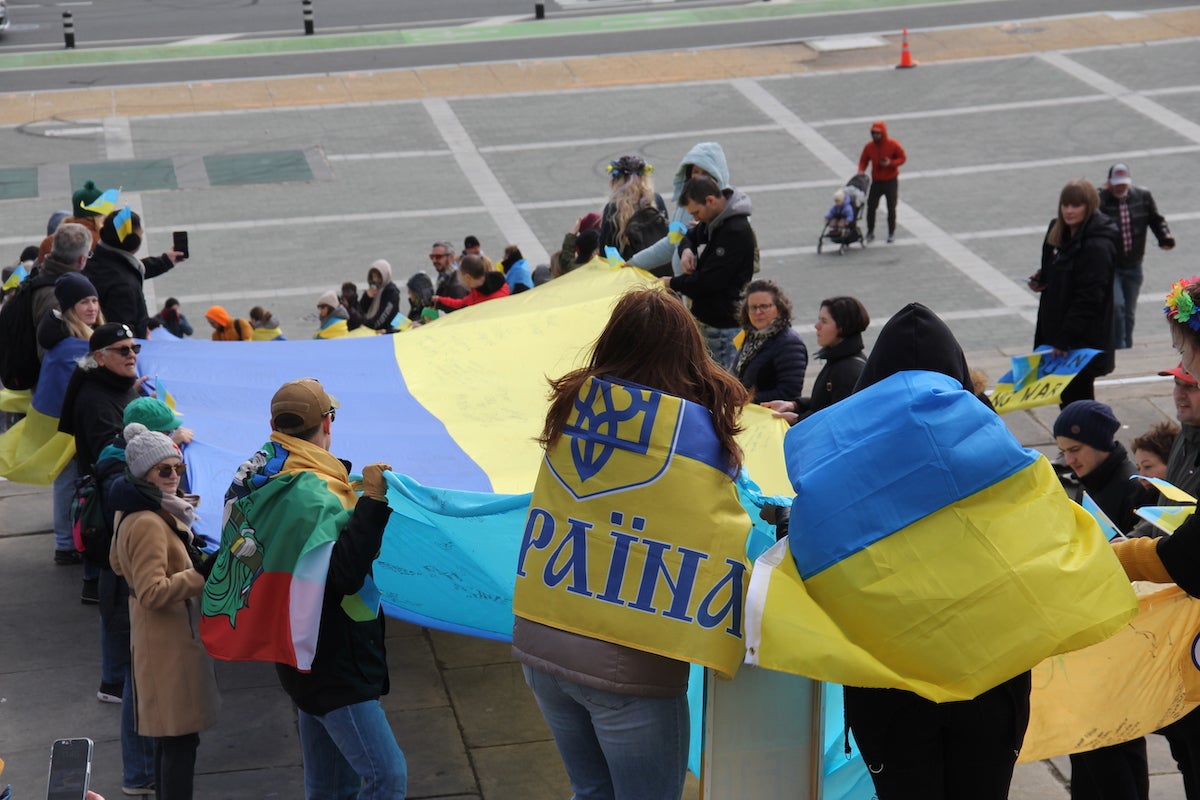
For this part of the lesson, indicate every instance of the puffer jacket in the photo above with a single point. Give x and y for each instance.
(1076, 305)
(595, 663)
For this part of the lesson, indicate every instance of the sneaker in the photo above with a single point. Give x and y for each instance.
(138, 790)
(110, 693)
(90, 594)
(870, 236)
(65, 558)
(891, 238)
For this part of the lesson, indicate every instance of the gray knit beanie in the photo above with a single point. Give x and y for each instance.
(144, 448)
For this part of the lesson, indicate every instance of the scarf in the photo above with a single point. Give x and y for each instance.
(179, 507)
(755, 340)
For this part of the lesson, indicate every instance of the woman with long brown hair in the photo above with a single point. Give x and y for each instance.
(618, 713)
(1079, 256)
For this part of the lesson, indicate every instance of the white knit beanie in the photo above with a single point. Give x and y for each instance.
(144, 448)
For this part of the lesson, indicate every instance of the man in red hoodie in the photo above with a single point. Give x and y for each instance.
(885, 157)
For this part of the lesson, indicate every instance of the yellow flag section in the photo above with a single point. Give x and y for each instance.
(1134, 683)
(928, 550)
(635, 534)
(1038, 379)
(483, 372)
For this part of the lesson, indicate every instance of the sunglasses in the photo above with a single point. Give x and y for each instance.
(331, 413)
(164, 470)
(125, 349)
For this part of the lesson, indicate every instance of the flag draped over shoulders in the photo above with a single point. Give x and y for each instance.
(283, 513)
(635, 534)
(928, 550)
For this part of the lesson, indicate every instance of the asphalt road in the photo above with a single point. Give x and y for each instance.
(668, 26)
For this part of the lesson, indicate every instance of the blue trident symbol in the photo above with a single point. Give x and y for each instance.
(595, 432)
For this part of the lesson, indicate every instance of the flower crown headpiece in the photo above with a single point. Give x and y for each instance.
(1180, 306)
(622, 167)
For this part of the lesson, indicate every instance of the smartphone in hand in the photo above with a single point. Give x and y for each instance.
(70, 769)
(180, 243)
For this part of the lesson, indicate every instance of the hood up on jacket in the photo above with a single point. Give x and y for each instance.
(881, 126)
(915, 338)
(737, 204)
(709, 157)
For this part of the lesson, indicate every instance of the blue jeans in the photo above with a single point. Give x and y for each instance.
(63, 493)
(137, 752)
(719, 342)
(351, 753)
(615, 746)
(1127, 284)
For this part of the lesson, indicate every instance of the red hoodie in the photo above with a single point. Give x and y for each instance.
(494, 286)
(874, 153)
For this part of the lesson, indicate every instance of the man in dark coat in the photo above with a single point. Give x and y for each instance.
(717, 259)
(1134, 210)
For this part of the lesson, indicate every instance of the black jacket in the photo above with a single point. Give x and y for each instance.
(776, 371)
(1076, 306)
(389, 306)
(93, 411)
(837, 379)
(119, 281)
(724, 263)
(1109, 485)
(350, 665)
(1143, 214)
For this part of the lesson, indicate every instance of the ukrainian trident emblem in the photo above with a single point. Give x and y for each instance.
(618, 437)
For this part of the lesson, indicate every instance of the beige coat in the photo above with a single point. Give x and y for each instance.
(173, 681)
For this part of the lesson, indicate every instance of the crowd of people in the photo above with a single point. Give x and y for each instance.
(739, 345)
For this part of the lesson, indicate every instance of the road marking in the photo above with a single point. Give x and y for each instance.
(379, 156)
(835, 43)
(483, 181)
(118, 139)
(1135, 100)
(479, 23)
(955, 253)
(603, 140)
(209, 39)
(86, 130)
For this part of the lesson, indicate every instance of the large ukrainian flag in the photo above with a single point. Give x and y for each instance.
(928, 551)
(635, 533)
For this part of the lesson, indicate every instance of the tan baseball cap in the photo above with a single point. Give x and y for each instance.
(299, 405)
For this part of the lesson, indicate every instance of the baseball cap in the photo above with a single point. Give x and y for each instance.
(1178, 372)
(299, 405)
(1119, 174)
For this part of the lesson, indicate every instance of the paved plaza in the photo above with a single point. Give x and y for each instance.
(289, 187)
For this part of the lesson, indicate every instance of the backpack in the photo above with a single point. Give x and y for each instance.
(644, 228)
(91, 527)
(19, 363)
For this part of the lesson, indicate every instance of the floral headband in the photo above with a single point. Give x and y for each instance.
(628, 166)
(1180, 306)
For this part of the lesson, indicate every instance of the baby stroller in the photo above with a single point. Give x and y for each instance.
(856, 193)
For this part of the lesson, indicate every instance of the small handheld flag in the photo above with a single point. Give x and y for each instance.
(123, 223)
(105, 204)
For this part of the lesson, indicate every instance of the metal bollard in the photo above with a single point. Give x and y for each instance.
(308, 18)
(539, 10)
(69, 30)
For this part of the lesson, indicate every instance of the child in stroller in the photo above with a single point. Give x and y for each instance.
(841, 223)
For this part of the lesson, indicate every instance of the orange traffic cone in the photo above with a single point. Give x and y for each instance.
(906, 59)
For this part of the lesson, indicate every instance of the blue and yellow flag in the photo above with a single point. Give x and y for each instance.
(635, 534)
(928, 551)
(105, 204)
(123, 223)
(1038, 379)
(19, 274)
